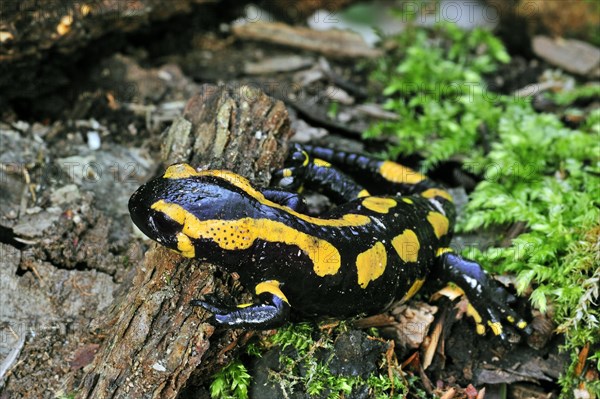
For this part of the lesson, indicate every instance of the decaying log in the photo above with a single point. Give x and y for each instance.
(155, 340)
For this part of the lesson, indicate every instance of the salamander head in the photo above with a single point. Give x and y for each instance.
(172, 208)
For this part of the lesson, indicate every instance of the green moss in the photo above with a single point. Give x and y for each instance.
(584, 92)
(537, 172)
(231, 382)
(302, 370)
(298, 336)
(434, 82)
(547, 179)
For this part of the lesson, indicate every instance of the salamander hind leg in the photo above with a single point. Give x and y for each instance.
(272, 311)
(488, 305)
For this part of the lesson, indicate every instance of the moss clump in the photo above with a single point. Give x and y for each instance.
(435, 82)
(231, 382)
(306, 354)
(537, 172)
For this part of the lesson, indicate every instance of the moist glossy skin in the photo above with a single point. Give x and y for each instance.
(366, 253)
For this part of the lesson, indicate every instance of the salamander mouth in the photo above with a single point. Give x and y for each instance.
(155, 224)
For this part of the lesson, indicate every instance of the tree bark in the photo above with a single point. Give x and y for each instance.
(154, 339)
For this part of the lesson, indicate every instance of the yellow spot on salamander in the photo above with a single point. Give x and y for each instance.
(397, 173)
(443, 250)
(242, 233)
(185, 246)
(480, 329)
(496, 327)
(378, 204)
(287, 172)
(272, 287)
(510, 319)
(407, 245)
(414, 288)
(306, 158)
(180, 171)
(452, 291)
(175, 212)
(408, 200)
(439, 223)
(474, 314)
(322, 163)
(436, 192)
(363, 193)
(522, 324)
(371, 264)
(244, 305)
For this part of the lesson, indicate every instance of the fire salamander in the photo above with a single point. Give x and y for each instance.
(375, 247)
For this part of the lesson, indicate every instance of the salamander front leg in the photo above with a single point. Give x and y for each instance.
(293, 201)
(302, 170)
(293, 175)
(273, 310)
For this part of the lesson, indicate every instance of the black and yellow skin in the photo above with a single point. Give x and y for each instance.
(358, 258)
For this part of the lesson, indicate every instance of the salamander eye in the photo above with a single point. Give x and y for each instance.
(164, 225)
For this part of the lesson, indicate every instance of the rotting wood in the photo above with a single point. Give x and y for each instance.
(155, 340)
